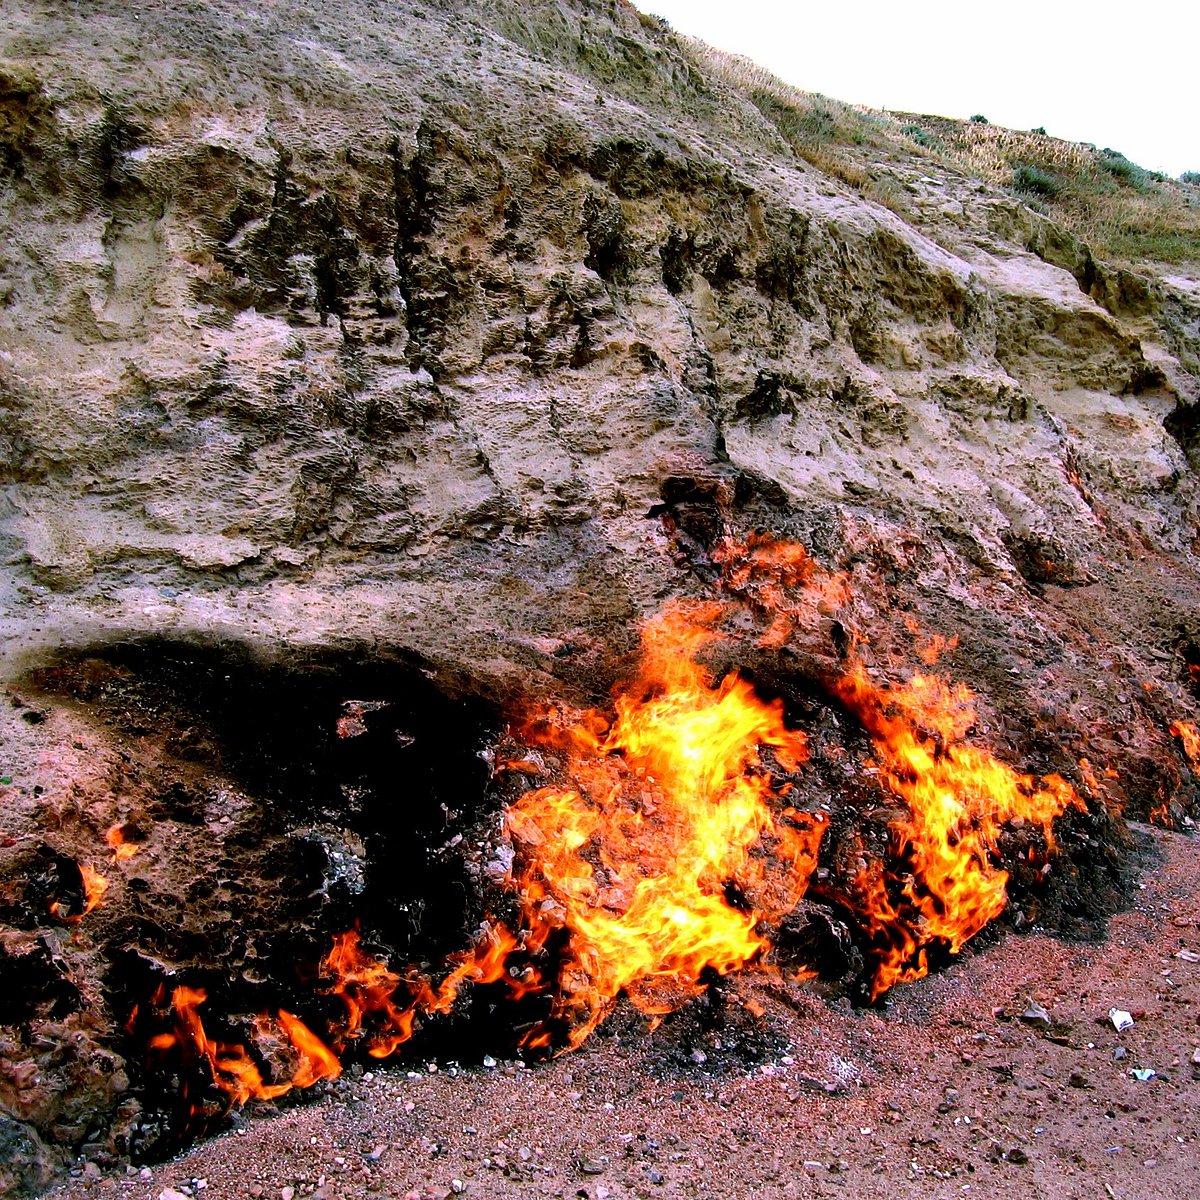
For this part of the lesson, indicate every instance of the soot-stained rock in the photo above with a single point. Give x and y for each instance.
(26, 1164)
(361, 380)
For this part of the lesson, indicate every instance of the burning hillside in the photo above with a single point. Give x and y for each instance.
(639, 850)
(514, 542)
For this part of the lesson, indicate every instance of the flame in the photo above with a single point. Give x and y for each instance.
(662, 858)
(94, 886)
(1189, 739)
(783, 582)
(670, 849)
(317, 1061)
(233, 1071)
(115, 839)
(671, 810)
(958, 798)
(659, 842)
(929, 647)
(368, 989)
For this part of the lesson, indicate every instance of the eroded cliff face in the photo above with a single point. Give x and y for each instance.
(393, 328)
(459, 331)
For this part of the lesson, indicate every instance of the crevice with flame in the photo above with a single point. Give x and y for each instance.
(663, 841)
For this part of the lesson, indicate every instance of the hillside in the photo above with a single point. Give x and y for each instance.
(1123, 213)
(422, 356)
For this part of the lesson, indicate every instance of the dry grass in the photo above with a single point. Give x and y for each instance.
(1123, 212)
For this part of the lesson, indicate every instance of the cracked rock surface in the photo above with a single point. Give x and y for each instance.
(439, 332)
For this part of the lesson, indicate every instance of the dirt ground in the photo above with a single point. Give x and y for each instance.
(946, 1092)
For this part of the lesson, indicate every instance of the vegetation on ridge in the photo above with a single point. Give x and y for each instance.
(1121, 210)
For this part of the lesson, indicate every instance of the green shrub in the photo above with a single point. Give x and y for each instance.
(921, 136)
(1039, 129)
(1190, 177)
(1118, 166)
(819, 124)
(979, 119)
(1035, 182)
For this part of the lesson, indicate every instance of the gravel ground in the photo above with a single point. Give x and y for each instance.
(949, 1091)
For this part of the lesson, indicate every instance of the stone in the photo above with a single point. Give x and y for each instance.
(26, 1164)
(1035, 1014)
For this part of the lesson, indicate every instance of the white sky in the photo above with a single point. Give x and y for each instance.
(1119, 75)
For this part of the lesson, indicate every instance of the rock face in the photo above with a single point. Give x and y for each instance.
(445, 330)
(391, 328)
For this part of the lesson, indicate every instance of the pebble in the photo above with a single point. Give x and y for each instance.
(287, 1193)
(1035, 1014)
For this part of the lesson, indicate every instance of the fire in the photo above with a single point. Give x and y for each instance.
(659, 842)
(115, 840)
(317, 1061)
(662, 858)
(229, 1065)
(1189, 739)
(958, 798)
(958, 795)
(672, 811)
(93, 885)
(382, 1007)
(669, 848)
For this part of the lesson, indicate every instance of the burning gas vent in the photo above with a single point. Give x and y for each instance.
(386, 870)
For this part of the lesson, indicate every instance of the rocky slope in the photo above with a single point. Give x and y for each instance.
(450, 333)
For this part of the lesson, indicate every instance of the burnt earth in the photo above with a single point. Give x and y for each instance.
(272, 807)
(943, 1088)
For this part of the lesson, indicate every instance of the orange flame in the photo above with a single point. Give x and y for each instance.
(958, 797)
(1189, 739)
(94, 886)
(368, 989)
(317, 1061)
(233, 1071)
(662, 847)
(671, 812)
(662, 859)
(115, 839)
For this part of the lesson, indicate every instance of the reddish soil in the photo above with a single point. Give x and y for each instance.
(947, 1092)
